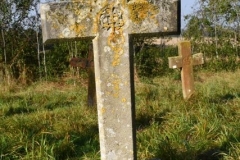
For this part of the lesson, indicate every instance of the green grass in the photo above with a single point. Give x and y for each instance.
(50, 120)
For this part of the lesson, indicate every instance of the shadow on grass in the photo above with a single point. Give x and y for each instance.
(18, 110)
(78, 145)
(27, 107)
(211, 154)
(10, 99)
(217, 153)
(71, 146)
(53, 105)
(145, 118)
(23, 105)
(220, 99)
(166, 151)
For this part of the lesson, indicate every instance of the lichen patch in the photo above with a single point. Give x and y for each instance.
(141, 9)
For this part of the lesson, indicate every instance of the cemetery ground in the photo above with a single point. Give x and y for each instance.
(50, 119)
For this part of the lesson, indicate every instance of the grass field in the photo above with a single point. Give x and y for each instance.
(50, 120)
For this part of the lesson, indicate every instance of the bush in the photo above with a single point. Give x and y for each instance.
(152, 61)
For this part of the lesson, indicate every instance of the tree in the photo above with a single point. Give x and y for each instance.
(17, 43)
(215, 25)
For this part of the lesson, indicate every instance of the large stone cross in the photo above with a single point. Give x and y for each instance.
(111, 24)
(185, 61)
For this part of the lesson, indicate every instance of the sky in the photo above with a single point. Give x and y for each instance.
(186, 8)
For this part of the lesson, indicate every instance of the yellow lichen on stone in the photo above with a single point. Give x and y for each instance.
(103, 110)
(116, 59)
(116, 88)
(82, 1)
(123, 2)
(76, 16)
(95, 25)
(124, 100)
(110, 18)
(141, 10)
(55, 26)
(116, 41)
(78, 28)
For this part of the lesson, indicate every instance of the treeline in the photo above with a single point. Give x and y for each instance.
(214, 29)
(20, 40)
(23, 56)
(19, 55)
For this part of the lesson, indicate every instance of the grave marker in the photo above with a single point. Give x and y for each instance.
(185, 61)
(111, 24)
(87, 63)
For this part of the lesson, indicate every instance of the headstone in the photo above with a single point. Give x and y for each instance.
(111, 24)
(185, 61)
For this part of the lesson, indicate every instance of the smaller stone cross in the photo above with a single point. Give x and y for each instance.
(185, 61)
(87, 63)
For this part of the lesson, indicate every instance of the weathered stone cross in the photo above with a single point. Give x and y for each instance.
(185, 61)
(111, 24)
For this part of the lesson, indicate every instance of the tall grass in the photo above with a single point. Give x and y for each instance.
(50, 120)
(205, 127)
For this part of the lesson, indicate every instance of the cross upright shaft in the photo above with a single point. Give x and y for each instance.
(111, 24)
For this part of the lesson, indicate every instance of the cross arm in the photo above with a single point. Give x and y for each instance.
(175, 62)
(198, 59)
(67, 20)
(154, 18)
(81, 19)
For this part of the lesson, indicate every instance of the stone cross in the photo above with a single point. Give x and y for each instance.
(185, 61)
(87, 63)
(111, 24)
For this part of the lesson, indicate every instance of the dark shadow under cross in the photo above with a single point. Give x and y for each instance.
(185, 61)
(111, 24)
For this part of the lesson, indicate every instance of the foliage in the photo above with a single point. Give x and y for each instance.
(18, 39)
(214, 28)
(59, 55)
(152, 60)
(22, 56)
